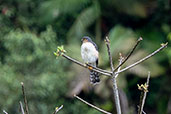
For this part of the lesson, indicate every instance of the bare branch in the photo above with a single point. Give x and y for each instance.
(85, 66)
(93, 106)
(115, 88)
(129, 55)
(5, 112)
(107, 41)
(25, 99)
(120, 62)
(21, 107)
(144, 89)
(142, 111)
(58, 109)
(99, 69)
(143, 59)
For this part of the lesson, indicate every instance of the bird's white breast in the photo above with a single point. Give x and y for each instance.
(89, 53)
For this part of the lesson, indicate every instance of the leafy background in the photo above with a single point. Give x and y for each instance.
(31, 30)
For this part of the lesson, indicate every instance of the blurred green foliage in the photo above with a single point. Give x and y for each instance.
(31, 30)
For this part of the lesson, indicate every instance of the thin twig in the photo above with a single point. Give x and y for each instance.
(144, 89)
(85, 66)
(5, 112)
(25, 99)
(143, 59)
(21, 107)
(58, 109)
(107, 41)
(129, 55)
(115, 88)
(142, 111)
(120, 62)
(93, 106)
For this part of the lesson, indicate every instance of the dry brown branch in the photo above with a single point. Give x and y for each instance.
(21, 107)
(144, 90)
(58, 109)
(143, 59)
(25, 99)
(93, 106)
(131, 52)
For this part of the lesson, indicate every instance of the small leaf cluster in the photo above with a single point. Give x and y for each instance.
(60, 50)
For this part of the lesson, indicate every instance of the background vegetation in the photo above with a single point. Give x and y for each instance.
(30, 31)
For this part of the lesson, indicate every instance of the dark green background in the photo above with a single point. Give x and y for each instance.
(30, 31)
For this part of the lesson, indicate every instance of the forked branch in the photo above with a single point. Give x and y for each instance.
(143, 59)
(129, 55)
(114, 72)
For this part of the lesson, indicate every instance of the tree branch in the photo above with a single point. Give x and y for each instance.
(107, 41)
(144, 89)
(93, 106)
(25, 99)
(21, 107)
(5, 112)
(115, 88)
(58, 109)
(120, 62)
(143, 59)
(85, 66)
(142, 111)
(99, 69)
(129, 55)
(60, 52)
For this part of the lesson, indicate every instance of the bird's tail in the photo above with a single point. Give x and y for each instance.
(94, 77)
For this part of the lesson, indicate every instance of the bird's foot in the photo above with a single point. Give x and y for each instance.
(90, 68)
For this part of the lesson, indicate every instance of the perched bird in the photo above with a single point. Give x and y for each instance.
(90, 55)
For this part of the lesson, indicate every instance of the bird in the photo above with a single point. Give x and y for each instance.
(90, 55)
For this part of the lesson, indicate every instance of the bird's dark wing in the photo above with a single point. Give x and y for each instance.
(95, 45)
(97, 62)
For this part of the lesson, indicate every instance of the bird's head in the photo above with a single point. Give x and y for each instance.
(86, 39)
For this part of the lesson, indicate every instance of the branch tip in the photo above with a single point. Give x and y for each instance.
(164, 44)
(59, 51)
(22, 83)
(140, 39)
